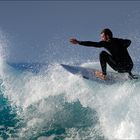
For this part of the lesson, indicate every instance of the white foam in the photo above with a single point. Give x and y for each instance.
(117, 105)
(116, 112)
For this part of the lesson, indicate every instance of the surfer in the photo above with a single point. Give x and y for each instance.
(117, 56)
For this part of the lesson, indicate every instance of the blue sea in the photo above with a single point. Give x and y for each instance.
(45, 102)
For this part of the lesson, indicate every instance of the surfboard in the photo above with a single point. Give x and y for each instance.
(89, 74)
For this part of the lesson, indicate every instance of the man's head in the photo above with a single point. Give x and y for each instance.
(106, 34)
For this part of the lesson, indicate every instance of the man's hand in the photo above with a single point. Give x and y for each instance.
(74, 41)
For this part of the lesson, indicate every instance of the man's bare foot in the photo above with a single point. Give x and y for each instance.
(100, 75)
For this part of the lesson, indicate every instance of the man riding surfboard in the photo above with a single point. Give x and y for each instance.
(118, 57)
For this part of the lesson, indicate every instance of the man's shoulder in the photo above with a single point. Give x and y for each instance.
(115, 38)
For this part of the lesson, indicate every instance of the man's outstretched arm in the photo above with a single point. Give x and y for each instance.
(88, 43)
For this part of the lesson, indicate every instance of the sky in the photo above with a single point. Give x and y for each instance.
(39, 31)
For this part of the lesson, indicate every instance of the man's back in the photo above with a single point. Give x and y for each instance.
(118, 49)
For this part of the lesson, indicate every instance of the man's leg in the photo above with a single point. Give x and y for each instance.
(127, 68)
(106, 58)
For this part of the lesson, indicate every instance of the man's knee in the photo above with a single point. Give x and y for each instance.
(103, 54)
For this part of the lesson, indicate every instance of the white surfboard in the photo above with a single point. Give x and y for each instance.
(89, 73)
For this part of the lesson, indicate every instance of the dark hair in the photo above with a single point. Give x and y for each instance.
(107, 32)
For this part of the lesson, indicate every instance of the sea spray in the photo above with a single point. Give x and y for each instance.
(56, 104)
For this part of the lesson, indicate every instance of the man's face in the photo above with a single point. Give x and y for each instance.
(104, 37)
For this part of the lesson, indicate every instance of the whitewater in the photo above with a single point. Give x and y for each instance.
(47, 102)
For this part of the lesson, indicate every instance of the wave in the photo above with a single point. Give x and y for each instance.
(55, 104)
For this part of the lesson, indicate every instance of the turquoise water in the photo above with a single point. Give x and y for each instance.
(39, 101)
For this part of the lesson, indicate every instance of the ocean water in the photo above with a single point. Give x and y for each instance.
(45, 102)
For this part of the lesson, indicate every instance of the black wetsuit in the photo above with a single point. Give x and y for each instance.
(119, 58)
